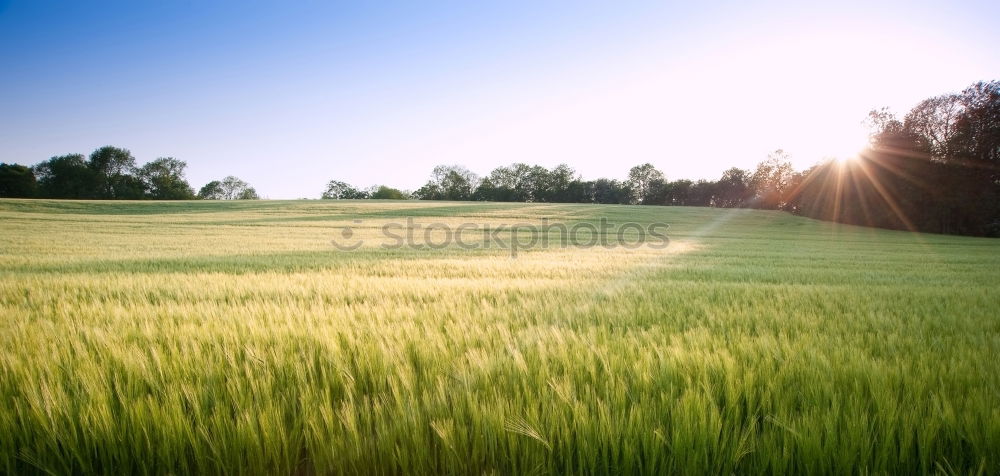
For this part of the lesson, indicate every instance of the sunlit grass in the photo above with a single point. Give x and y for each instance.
(233, 338)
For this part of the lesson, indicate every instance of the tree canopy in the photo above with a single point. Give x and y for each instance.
(163, 179)
(17, 181)
(229, 188)
(111, 173)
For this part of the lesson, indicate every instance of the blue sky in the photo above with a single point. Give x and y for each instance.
(289, 95)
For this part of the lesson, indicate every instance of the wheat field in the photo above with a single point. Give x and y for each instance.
(234, 338)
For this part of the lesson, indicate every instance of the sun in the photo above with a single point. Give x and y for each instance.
(848, 144)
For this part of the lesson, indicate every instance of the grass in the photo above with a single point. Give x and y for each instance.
(232, 338)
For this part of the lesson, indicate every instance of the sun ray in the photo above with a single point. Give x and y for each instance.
(886, 196)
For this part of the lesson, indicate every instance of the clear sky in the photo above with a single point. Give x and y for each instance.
(289, 95)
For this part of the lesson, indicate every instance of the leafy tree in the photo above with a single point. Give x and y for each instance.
(559, 186)
(677, 192)
(236, 189)
(449, 182)
(538, 184)
(17, 181)
(211, 191)
(639, 179)
(580, 191)
(230, 188)
(164, 179)
(521, 182)
(935, 119)
(248, 193)
(656, 192)
(66, 176)
(336, 190)
(387, 193)
(611, 191)
(114, 171)
(486, 191)
(702, 194)
(512, 184)
(976, 138)
(457, 182)
(770, 182)
(734, 188)
(970, 164)
(429, 191)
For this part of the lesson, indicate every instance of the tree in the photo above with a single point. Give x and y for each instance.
(387, 193)
(248, 193)
(702, 194)
(611, 191)
(486, 191)
(935, 119)
(17, 181)
(733, 189)
(560, 184)
(449, 182)
(770, 182)
(537, 183)
(521, 182)
(163, 179)
(514, 183)
(211, 191)
(639, 179)
(976, 137)
(429, 191)
(886, 186)
(114, 170)
(236, 189)
(230, 188)
(580, 191)
(66, 176)
(336, 190)
(971, 170)
(655, 192)
(457, 182)
(677, 192)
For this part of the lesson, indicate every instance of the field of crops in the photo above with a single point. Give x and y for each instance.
(234, 338)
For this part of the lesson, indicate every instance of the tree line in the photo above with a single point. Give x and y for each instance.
(111, 173)
(763, 187)
(937, 169)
